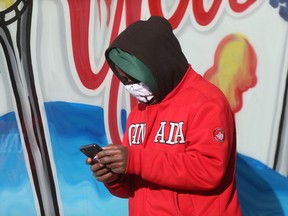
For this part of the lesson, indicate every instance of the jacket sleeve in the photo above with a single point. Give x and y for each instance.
(120, 188)
(206, 160)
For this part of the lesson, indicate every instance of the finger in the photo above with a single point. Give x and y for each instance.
(108, 152)
(117, 167)
(118, 170)
(88, 161)
(96, 166)
(105, 177)
(113, 147)
(110, 146)
(111, 159)
(101, 172)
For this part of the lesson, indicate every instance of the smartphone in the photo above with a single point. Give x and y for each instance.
(91, 150)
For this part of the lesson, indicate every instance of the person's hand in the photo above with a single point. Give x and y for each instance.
(102, 173)
(114, 157)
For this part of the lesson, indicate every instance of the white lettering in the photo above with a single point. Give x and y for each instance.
(175, 134)
(136, 133)
(161, 133)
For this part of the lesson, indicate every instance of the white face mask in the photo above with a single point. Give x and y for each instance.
(140, 91)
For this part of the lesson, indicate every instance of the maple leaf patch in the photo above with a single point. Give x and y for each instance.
(219, 135)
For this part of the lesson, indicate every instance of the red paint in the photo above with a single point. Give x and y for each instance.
(202, 16)
(112, 112)
(240, 7)
(155, 8)
(79, 17)
(133, 11)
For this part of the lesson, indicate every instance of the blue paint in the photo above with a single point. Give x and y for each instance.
(283, 12)
(72, 125)
(123, 120)
(16, 194)
(262, 191)
(283, 8)
(274, 3)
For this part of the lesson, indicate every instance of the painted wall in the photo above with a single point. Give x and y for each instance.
(57, 93)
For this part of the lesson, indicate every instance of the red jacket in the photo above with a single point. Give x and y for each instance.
(182, 154)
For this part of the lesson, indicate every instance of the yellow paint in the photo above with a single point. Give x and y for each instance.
(234, 69)
(4, 4)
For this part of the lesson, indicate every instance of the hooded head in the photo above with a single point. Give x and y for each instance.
(149, 52)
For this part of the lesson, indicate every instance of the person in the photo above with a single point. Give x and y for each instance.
(177, 156)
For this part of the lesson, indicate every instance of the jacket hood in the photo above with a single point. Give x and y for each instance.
(153, 43)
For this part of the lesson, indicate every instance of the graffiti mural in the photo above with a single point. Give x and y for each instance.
(57, 93)
(234, 69)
